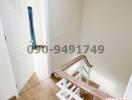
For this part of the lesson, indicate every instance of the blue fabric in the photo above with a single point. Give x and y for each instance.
(32, 33)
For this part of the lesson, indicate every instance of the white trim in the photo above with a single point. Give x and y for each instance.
(48, 43)
(128, 92)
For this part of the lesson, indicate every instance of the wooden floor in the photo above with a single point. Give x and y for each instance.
(36, 89)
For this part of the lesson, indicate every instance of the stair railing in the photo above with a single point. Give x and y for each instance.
(71, 85)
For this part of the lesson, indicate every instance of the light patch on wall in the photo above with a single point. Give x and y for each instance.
(105, 84)
(40, 65)
(17, 5)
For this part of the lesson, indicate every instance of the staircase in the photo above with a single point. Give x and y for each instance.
(75, 83)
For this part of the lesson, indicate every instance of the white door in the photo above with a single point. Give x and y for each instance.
(7, 82)
(16, 28)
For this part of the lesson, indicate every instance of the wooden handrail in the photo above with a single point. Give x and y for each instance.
(72, 62)
(95, 92)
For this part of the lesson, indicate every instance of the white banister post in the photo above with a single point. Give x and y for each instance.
(64, 93)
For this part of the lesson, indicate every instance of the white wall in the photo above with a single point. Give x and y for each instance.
(108, 22)
(64, 26)
(94, 22)
(15, 23)
(7, 81)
